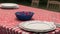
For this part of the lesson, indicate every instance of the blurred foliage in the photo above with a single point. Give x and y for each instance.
(21, 1)
(24, 2)
(14, 1)
(18, 1)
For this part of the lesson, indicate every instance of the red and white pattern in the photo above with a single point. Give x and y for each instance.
(7, 30)
(8, 19)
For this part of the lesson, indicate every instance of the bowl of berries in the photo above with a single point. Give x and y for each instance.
(24, 15)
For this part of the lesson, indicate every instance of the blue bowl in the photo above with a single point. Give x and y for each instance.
(24, 15)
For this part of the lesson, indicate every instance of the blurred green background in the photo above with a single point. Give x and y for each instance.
(25, 2)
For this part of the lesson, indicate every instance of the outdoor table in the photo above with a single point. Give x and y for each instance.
(8, 20)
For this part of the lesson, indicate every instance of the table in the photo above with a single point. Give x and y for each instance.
(8, 19)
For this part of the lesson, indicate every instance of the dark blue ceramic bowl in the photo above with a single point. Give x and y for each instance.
(24, 15)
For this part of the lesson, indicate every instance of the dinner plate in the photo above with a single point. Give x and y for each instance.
(37, 26)
(9, 5)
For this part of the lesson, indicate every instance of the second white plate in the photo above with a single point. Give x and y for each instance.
(37, 26)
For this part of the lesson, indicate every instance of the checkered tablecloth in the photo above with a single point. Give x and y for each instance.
(8, 20)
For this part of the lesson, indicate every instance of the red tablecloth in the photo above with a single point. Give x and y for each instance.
(8, 19)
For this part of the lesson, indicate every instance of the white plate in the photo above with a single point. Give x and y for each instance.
(9, 5)
(37, 26)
